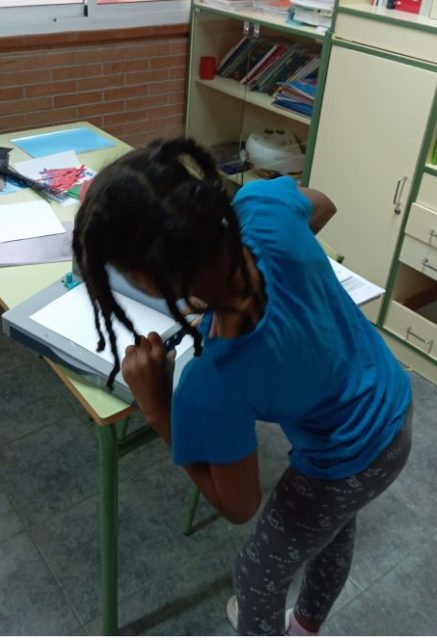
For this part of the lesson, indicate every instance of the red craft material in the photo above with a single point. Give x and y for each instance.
(63, 179)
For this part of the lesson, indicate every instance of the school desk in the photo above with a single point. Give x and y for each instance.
(110, 414)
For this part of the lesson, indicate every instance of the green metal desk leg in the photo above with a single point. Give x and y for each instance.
(188, 529)
(109, 527)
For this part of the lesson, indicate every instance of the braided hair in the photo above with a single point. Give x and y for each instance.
(161, 210)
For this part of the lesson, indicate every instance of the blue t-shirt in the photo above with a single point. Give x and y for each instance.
(313, 363)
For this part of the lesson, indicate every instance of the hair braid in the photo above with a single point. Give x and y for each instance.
(163, 211)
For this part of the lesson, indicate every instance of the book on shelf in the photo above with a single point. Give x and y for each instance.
(316, 13)
(312, 17)
(318, 5)
(230, 53)
(298, 106)
(275, 7)
(411, 6)
(254, 76)
(299, 89)
(425, 8)
(297, 93)
(308, 69)
(258, 52)
(238, 56)
(258, 57)
(234, 5)
(281, 70)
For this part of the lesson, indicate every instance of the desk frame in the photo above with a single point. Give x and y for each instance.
(115, 442)
(110, 416)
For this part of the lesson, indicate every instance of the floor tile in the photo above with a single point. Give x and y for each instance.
(31, 601)
(401, 603)
(49, 471)
(387, 532)
(31, 397)
(191, 600)
(10, 523)
(70, 545)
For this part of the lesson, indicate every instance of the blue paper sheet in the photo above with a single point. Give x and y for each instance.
(79, 140)
(10, 188)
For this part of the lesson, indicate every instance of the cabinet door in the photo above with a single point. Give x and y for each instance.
(373, 119)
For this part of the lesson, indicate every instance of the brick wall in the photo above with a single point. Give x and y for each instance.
(132, 86)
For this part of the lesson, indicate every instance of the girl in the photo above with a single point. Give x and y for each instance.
(280, 341)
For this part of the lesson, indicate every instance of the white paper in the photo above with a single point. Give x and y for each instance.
(71, 316)
(33, 168)
(359, 289)
(28, 220)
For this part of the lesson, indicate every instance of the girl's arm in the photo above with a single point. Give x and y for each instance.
(323, 208)
(232, 489)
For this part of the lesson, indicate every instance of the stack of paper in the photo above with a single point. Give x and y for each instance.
(233, 5)
(317, 13)
(276, 7)
(359, 289)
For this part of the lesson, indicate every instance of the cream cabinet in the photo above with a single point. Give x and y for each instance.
(374, 154)
(410, 314)
(369, 139)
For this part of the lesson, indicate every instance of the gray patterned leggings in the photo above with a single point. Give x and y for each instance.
(312, 522)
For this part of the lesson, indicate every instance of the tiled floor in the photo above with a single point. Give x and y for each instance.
(170, 584)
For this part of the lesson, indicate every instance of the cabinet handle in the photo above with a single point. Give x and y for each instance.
(432, 235)
(426, 265)
(246, 27)
(427, 342)
(398, 193)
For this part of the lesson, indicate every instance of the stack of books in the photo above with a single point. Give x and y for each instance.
(232, 5)
(275, 7)
(315, 13)
(298, 92)
(261, 64)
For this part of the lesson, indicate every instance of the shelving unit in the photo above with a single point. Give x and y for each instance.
(222, 110)
(232, 88)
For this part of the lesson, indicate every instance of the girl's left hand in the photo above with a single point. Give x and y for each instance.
(147, 372)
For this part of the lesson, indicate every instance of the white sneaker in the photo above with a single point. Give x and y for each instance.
(232, 613)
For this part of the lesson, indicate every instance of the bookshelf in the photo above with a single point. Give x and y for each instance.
(222, 110)
(232, 88)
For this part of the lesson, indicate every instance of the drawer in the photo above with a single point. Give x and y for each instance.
(420, 256)
(427, 195)
(422, 224)
(394, 36)
(413, 328)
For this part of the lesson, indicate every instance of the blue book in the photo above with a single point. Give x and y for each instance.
(292, 105)
(305, 88)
